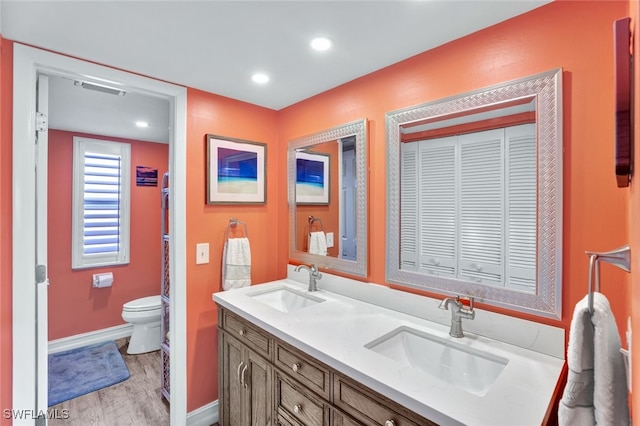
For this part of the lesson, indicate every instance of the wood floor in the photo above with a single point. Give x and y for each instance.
(135, 402)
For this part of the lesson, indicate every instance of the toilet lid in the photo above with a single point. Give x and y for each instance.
(143, 304)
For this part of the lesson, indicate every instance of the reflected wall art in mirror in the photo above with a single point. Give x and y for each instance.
(474, 195)
(328, 198)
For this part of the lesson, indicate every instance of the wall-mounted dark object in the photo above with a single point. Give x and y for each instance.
(624, 88)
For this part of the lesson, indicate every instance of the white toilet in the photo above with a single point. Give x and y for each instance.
(144, 314)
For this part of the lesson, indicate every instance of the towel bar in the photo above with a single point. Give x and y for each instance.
(620, 257)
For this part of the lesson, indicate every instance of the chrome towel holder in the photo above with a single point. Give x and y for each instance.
(620, 257)
(314, 219)
(233, 222)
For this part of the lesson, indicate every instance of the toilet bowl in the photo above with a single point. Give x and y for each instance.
(144, 314)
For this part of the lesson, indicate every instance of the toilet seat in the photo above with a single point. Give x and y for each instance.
(143, 304)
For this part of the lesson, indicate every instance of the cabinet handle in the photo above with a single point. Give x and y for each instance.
(296, 367)
(242, 382)
(389, 423)
(242, 332)
(297, 408)
(238, 372)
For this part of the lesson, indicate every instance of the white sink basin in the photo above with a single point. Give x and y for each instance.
(285, 299)
(466, 368)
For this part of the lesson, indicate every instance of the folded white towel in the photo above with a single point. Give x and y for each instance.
(318, 243)
(236, 263)
(596, 390)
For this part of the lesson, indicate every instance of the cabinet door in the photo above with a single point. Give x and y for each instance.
(231, 408)
(259, 391)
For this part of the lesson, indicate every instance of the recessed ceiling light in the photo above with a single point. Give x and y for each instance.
(321, 43)
(260, 78)
(142, 124)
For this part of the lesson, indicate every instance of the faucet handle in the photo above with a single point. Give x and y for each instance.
(470, 299)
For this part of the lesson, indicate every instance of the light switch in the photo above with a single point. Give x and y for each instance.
(202, 253)
(329, 239)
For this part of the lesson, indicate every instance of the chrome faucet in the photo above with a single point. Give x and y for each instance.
(314, 275)
(458, 311)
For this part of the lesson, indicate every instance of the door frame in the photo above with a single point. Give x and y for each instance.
(27, 63)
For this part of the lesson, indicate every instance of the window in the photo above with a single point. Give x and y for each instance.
(468, 207)
(101, 188)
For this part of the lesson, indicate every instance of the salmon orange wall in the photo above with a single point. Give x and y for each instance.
(576, 36)
(71, 295)
(6, 105)
(208, 113)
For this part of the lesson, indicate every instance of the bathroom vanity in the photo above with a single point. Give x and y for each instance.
(292, 357)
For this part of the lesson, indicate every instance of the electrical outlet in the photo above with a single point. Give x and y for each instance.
(329, 239)
(202, 253)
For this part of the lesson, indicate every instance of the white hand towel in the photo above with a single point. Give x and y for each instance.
(596, 390)
(236, 263)
(318, 243)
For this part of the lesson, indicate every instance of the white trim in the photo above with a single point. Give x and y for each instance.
(204, 416)
(28, 62)
(84, 339)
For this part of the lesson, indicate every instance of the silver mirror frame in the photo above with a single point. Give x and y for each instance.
(359, 266)
(546, 88)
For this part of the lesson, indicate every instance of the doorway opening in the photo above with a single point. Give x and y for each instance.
(29, 211)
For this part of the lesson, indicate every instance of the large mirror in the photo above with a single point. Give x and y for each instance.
(474, 195)
(328, 198)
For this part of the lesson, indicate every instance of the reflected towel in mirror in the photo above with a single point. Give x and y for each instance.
(236, 263)
(596, 390)
(318, 243)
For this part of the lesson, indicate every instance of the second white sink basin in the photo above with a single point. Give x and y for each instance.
(464, 367)
(285, 299)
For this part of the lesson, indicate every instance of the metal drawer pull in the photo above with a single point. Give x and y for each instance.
(389, 423)
(297, 408)
(242, 332)
(296, 367)
(238, 372)
(242, 382)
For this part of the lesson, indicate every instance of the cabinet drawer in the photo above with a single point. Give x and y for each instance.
(340, 419)
(370, 408)
(301, 407)
(255, 338)
(303, 368)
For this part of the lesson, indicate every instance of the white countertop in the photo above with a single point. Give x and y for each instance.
(337, 330)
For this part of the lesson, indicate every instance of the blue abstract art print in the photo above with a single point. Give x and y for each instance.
(312, 178)
(236, 171)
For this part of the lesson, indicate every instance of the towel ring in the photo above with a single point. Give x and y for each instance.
(233, 222)
(314, 219)
(620, 257)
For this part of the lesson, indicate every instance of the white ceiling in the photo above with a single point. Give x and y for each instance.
(215, 46)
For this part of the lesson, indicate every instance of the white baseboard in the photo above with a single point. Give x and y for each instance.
(84, 339)
(204, 416)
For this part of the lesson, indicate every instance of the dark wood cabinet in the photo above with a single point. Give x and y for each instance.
(265, 381)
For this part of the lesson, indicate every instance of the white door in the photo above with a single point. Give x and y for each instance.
(42, 280)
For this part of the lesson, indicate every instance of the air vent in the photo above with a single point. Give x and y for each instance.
(100, 88)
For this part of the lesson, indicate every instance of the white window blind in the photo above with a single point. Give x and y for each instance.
(101, 203)
(468, 207)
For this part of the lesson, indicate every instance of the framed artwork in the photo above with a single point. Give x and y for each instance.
(312, 178)
(146, 176)
(235, 171)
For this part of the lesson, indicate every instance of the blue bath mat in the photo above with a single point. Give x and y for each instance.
(83, 370)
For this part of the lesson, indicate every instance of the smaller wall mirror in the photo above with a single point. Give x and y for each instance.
(328, 198)
(474, 195)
